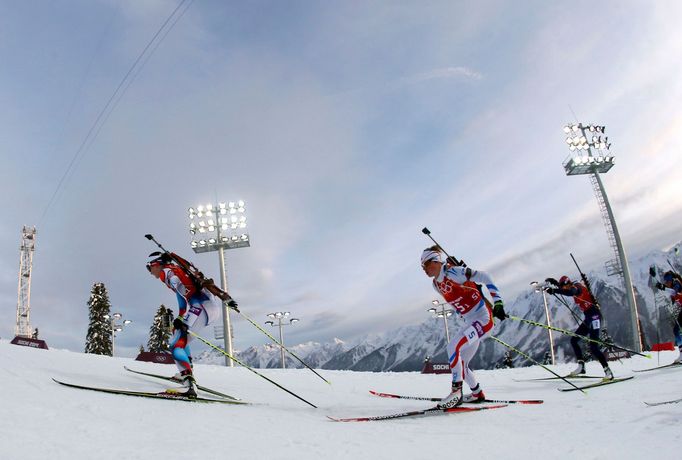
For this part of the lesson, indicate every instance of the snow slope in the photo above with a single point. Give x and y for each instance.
(42, 420)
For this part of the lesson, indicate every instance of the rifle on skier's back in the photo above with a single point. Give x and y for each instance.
(586, 282)
(198, 278)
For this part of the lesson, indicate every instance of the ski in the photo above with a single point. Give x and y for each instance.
(667, 366)
(599, 384)
(674, 401)
(171, 379)
(425, 398)
(416, 413)
(144, 394)
(569, 377)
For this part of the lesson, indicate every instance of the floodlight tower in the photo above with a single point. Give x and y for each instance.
(220, 227)
(28, 242)
(537, 287)
(116, 327)
(279, 315)
(442, 313)
(590, 155)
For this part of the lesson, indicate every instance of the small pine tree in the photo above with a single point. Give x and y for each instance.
(141, 348)
(160, 331)
(99, 340)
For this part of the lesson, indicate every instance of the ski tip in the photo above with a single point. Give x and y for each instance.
(474, 409)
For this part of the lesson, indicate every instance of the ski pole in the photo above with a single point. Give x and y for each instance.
(282, 345)
(248, 367)
(573, 334)
(535, 362)
(427, 232)
(575, 317)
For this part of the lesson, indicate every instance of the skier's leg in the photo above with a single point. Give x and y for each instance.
(177, 347)
(583, 329)
(468, 353)
(595, 327)
(678, 337)
(464, 345)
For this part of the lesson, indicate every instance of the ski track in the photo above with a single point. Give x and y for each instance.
(43, 420)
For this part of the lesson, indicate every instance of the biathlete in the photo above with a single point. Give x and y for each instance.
(197, 309)
(460, 287)
(590, 326)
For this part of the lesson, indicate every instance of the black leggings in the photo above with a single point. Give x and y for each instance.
(590, 326)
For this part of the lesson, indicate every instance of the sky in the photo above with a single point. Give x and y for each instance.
(346, 127)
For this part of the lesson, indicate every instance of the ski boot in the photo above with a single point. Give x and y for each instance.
(580, 370)
(179, 377)
(454, 399)
(186, 379)
(679, 358)
(608, 375)
(476, 395)
(191, 384)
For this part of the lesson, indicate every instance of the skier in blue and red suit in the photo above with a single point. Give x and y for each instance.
(197, 309)
(590, 326)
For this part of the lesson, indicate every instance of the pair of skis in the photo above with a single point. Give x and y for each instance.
(474, 407)
(665, 366)
(168, 394)
(600, 383)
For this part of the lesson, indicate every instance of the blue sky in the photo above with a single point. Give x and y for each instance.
(346, 127)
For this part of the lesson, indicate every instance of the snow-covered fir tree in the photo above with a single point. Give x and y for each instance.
(98, 341)
(159, 332)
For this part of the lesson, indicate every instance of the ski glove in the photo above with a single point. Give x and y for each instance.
(660, 286)
(498, 310)
(550, 291)
(179, 325)
(233, 305)
(652, 272)
(552, 281)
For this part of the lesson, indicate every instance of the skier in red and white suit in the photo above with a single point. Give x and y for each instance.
(459, 286)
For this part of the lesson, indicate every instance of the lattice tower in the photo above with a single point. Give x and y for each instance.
(28, 241)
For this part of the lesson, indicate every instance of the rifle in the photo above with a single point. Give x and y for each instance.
(452, 259)
(586, 281)
(198, 278)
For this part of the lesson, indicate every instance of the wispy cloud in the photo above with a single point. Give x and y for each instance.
(445, 73)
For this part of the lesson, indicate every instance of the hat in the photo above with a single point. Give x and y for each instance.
(429, 255)
(162, 259)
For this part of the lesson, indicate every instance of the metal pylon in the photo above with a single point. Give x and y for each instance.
(23, 324)
(613, 267)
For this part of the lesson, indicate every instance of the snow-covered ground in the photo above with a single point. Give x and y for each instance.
(40, 419)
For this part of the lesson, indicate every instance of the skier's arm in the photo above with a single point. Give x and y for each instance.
(570, 292)
(182, 302)
(177, 285)
(462, 274)
(480, 277)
